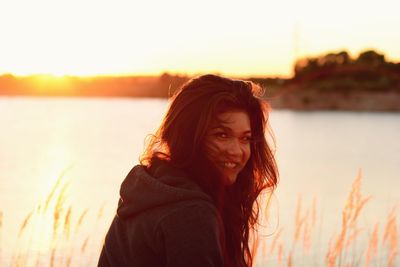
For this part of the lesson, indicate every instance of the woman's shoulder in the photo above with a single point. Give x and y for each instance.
(193, 207)
(192, 228)
(191, 215)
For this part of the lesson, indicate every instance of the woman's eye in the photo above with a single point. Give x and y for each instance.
(221, 135)
(246, 139)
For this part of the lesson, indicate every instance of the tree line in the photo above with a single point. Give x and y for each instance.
(338, 71)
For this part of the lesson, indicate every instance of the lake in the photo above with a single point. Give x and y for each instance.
(92, 143)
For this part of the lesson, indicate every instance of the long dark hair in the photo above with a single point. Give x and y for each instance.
(180, 140)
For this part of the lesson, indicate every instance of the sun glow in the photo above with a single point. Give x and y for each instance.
(149, 37)
(43, 225)
(58, 165)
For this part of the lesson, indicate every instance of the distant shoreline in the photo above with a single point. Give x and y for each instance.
(348, 88)
(341, 101)
(332, 101)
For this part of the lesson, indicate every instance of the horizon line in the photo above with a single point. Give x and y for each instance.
(144, 74)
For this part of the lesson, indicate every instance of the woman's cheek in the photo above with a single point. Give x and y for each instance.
(213, 149)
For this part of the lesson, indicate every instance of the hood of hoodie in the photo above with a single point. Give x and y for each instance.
(162, 185)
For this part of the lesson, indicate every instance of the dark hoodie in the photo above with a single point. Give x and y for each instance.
(163, 219)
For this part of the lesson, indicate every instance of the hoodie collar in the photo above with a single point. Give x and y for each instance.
(162, 185)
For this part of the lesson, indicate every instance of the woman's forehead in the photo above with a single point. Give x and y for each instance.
(233, 118)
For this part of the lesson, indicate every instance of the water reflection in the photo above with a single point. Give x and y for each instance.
(92, 145)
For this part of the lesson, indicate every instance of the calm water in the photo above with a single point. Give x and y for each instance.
(97, 141)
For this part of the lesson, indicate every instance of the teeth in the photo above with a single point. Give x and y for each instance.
(229, 164)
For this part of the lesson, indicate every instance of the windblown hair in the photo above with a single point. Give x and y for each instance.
(180, 140)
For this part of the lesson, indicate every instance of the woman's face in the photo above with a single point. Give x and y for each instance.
(227, 143)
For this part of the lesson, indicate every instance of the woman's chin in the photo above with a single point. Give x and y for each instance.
(229, 179)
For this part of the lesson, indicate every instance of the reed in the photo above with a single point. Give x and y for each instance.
(49, 234)
(338, 251)
(25, 223)
(372, 249)
(347, 247)
(390, 238)
(67, 223)
(55, 233)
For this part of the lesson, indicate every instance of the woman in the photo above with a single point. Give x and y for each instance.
(193, 199)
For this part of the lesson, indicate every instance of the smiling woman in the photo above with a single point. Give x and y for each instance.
(227, 144)
(193, 201)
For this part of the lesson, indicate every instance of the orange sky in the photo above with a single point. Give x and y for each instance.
(149, 37)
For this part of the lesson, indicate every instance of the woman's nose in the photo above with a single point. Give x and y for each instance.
(235, 147)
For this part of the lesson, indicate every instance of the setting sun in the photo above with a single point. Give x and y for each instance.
(149, 37)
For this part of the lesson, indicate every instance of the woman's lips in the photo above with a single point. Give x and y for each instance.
(228, 164)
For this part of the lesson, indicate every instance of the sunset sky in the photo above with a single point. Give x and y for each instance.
(239, 38)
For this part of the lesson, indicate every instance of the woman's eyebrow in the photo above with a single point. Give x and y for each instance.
(217, 127)
(225, 128)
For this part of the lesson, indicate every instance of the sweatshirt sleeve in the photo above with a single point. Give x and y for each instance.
(191, 236)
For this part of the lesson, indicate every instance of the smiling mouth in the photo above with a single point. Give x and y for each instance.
(229, 165)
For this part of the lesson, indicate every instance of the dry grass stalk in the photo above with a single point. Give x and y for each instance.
(52, 257)
(53, 191)
(304, 225)
(67, 222)
(314, 213)
(280, 254)
(306, 236)
(58, 209)
(39, 209)
(25, 223)
(349, 232)
(335, 250)
(80, 220)
(100, 213)
(390, 237)
(298, 211)
(391, 220)
(359, 205)
(68, 262)
(352, 237)
(275, 241)
(19, 261)
(55, 188)
(255, 245)
(299, 226)
(84, 244)
(372, 250)
(290, 259)
(299, 220)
